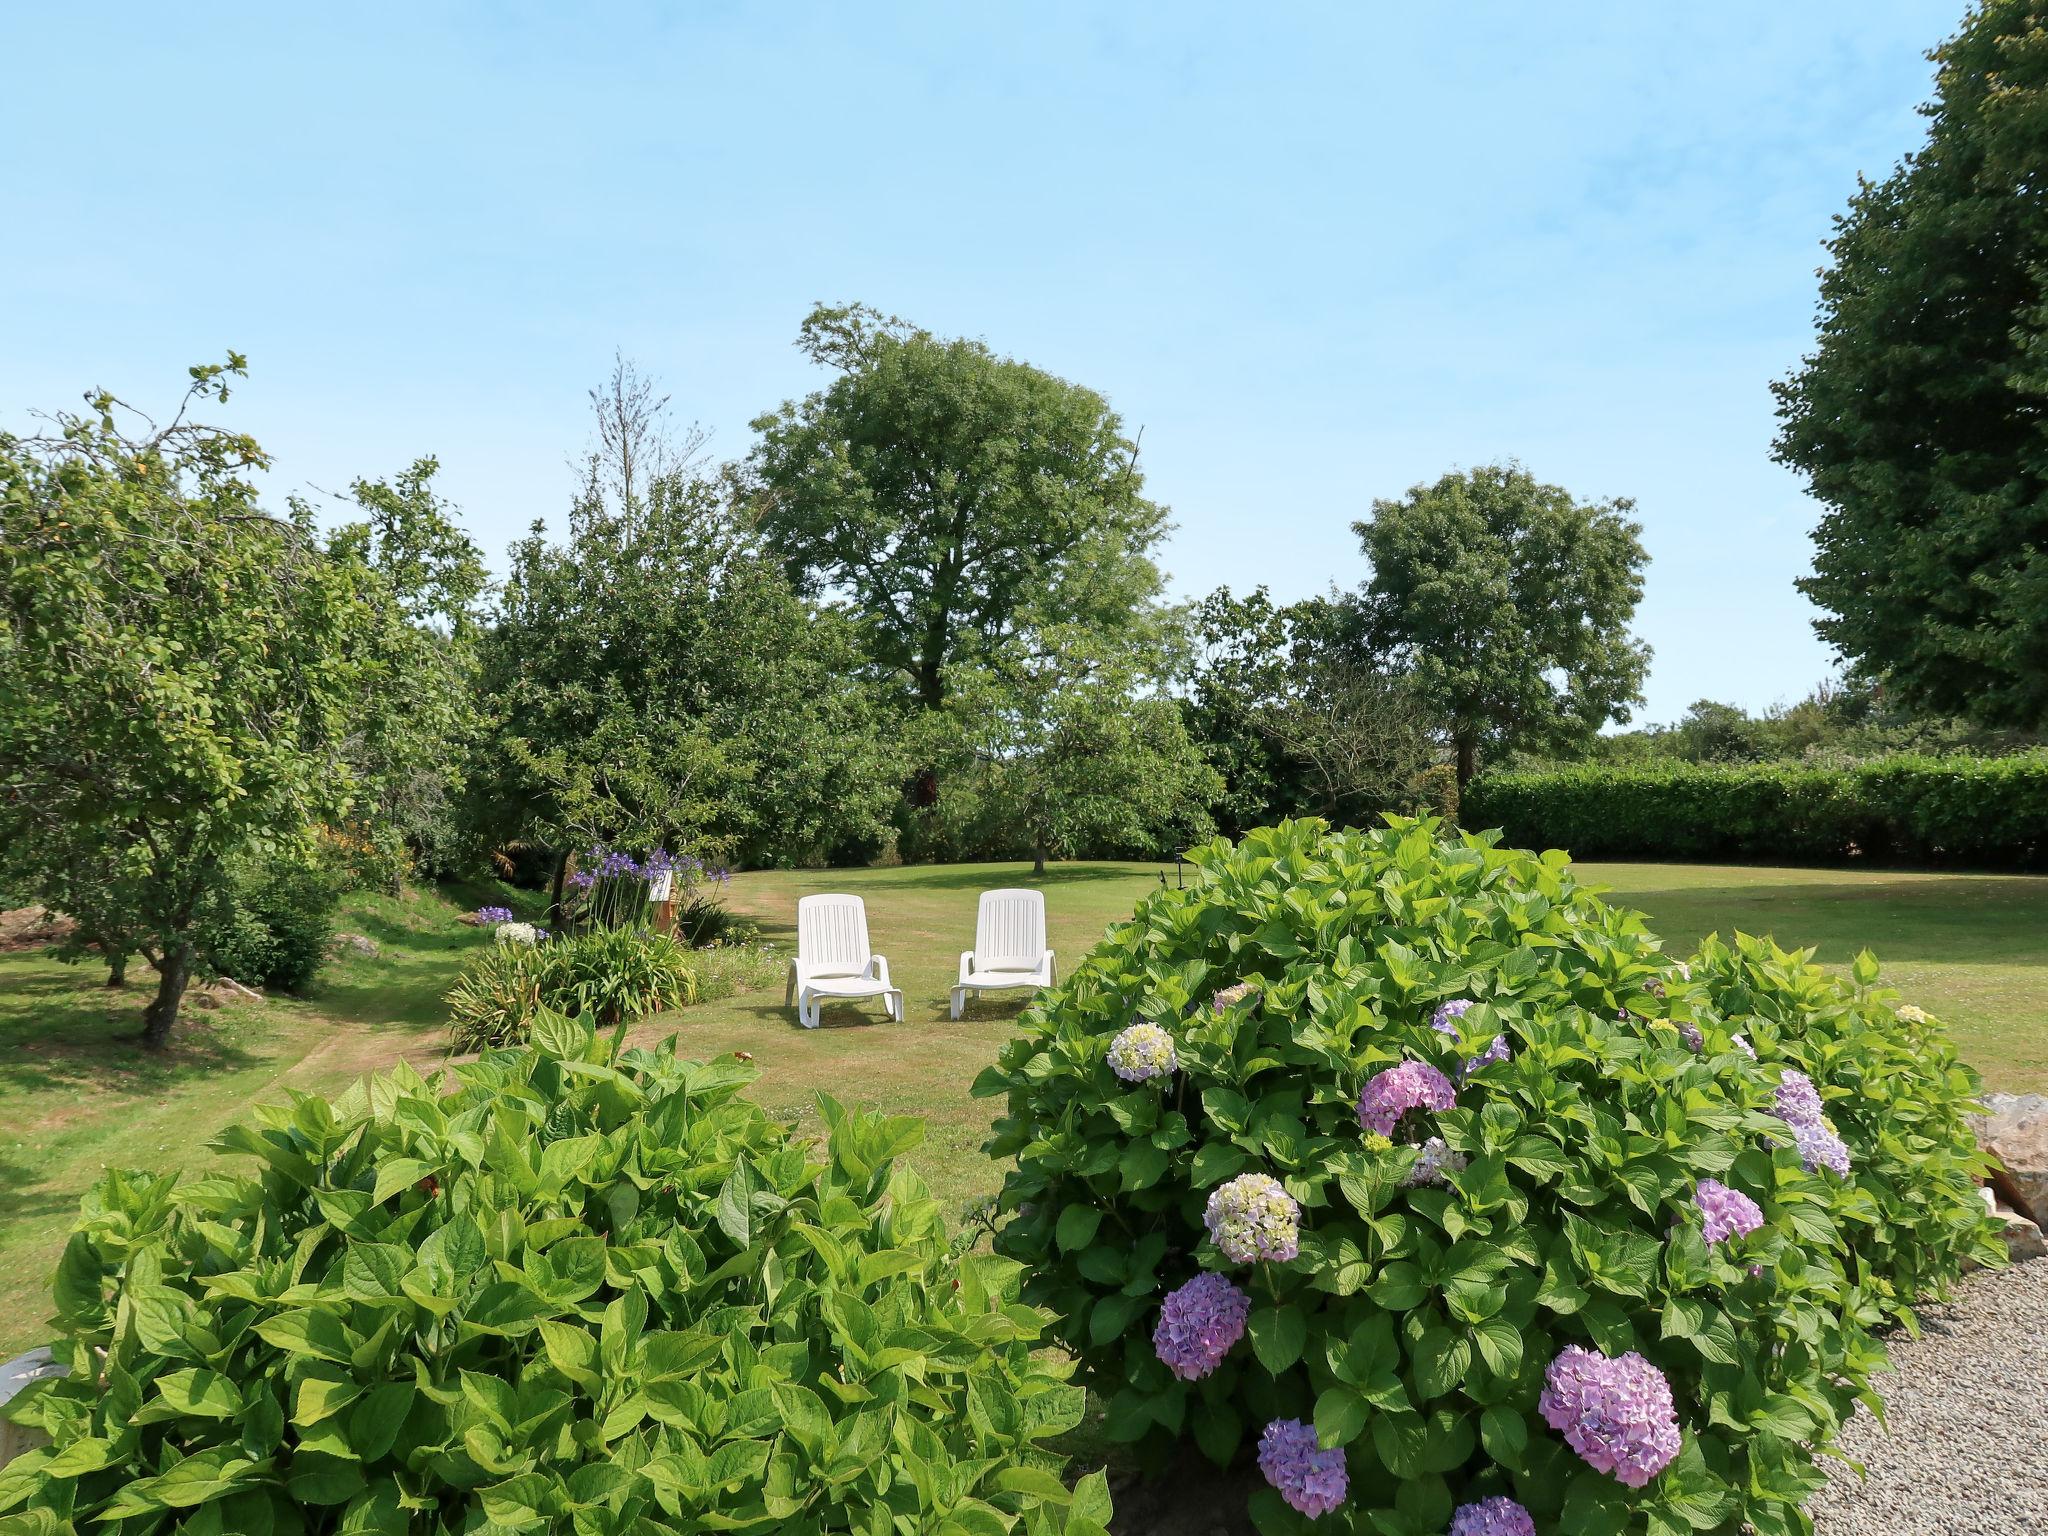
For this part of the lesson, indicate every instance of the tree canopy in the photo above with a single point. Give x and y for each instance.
(950, 497)
(1510, 601)
(1917, 419)
(179, 674)
(654, 678)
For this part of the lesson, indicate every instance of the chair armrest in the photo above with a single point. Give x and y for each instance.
(1052, 970)
(966, 962)
(878, 967)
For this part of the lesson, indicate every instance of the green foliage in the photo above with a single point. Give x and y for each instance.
(421, 724)
(1838, 722)
(954, 497)
(656, 680)
(272, 924)
(1512, 602)
(1917, 810)
(569, 1288)
(614, 975)
(1916, 419)
(1896, 1089)
(179, 675)
(1299, 717)
(1416, 1325)
(1065, 749)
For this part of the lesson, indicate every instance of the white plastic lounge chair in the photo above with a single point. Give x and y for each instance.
(1009, 946)
(833, 959)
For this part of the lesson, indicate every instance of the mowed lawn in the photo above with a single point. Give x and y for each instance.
(75, 1098)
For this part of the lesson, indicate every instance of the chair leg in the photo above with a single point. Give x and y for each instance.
(959, 1001)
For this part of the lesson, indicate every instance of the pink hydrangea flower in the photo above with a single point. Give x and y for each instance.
(1199, 1324)
(1725, 1212)
(1391, 1094)
(1616, 1413)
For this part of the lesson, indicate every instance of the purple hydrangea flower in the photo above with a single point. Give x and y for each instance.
(1252, 1218)
(1142, 1051)
(1492, 1517)
(489, 915)
(1222, 1000)
(1199, 1324)
(1391, 1094)
(1742, 1044)
(1798, 1105)
(1616, 1413)
(1725, 1212)
(1689, 1032)
(1445, 1022)
(1310, 1479)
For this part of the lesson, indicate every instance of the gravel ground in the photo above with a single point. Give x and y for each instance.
(1966, 1450)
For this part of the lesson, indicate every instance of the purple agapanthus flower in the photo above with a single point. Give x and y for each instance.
(492, 915)
(1492, 1517)
(1689, 1032)
(1725, 1212)
(1312, 1480)
(1391, 1094)
(1616, 1413)
(1252, 1217)
(1199, 1324)
(582, 879)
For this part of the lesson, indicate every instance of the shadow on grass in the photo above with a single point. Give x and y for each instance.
(61, 1029)
(21, 1201)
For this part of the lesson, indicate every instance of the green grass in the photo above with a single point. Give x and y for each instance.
(76, 1097)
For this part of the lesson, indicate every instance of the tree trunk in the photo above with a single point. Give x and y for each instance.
(117, 967)
(1038, 858)
(1468, 756)
(162, 1012)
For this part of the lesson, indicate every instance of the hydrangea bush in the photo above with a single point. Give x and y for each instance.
(1461, 1208)
(566, 1288)
(1873, 1091)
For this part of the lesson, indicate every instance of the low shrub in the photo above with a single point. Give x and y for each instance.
(567, 1288)
(272, 924)
(1988, 811)
(1411, 1165)
(613, 974)
(1891, 1083)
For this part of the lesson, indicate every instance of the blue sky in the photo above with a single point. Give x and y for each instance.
(1317, 253)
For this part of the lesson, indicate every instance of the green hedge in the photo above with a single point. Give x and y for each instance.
(1908, 810)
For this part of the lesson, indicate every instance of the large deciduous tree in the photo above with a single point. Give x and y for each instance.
(178, 675)
(1292, 707)
(654, 677)
(951, 497)
(1510, 601)
(417, 726)
(1072, 749)
(1918, 418)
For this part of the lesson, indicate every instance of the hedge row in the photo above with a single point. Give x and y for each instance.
(1908, 810)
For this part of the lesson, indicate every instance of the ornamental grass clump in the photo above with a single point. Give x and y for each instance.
(1524, 1240)
(567, 1288)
